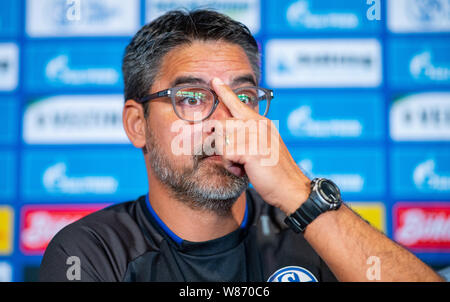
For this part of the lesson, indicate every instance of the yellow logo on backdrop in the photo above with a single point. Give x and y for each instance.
(373, 212)
(6, 230)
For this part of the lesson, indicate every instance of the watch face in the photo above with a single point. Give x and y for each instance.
(329, 191)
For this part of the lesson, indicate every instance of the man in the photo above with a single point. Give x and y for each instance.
(190, 77)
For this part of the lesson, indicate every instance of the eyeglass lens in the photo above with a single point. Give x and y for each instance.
(194, 104)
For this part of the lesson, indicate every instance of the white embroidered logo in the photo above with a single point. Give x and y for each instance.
(292, 274)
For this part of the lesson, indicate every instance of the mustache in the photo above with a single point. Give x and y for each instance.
(205, 150)
(208, 149)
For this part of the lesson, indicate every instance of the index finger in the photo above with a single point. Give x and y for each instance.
(228, 97)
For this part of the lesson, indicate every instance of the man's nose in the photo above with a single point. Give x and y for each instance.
(221, 113)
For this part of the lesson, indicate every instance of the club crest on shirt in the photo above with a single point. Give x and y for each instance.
(292, 274)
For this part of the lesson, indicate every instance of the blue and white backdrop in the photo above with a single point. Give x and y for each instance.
(362, 95)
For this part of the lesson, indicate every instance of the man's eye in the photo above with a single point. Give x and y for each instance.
(246, 99)
(190, 98)
(190, 101)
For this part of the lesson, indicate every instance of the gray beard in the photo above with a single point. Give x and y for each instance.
(192, 186)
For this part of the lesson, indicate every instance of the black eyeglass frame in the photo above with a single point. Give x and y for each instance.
(171, 92)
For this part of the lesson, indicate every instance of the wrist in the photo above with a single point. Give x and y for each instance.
(296, 198)
(324, 196)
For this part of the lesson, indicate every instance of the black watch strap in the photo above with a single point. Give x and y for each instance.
(307, 212)
(324, 196)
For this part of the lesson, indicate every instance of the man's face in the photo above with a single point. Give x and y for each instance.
(201, 181)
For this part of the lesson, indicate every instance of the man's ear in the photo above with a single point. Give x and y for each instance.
(134, 123)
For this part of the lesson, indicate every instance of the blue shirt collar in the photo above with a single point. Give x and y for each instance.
(171, 234)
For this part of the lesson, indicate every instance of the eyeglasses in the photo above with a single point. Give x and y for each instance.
(194, 103)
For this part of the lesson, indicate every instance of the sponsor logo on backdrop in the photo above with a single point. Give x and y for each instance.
(9, 66)
(422, 65)
(75, 119)
(347, 182)
(418, 61)
(420, 172)
(6, 230)
(323, 63)
(115, 174)
(373, 212)
(85, 65)
(299, 14)
(59, 70)
(418, 15)
(6, 272)
(301, 123)
(57, 180)
(423, 116)
(357, 171)
(427, 178)
(348, 116)
(48, 18)
(41, 222)
(245, 11)
(423, 226)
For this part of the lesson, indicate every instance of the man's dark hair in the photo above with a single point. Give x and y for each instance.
(144, 54)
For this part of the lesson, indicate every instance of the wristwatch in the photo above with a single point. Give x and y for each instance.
(325, 196)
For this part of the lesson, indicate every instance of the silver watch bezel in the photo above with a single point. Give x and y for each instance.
(319, 194)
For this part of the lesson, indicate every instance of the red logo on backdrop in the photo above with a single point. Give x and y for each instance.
(423, 226)
(41, 222)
